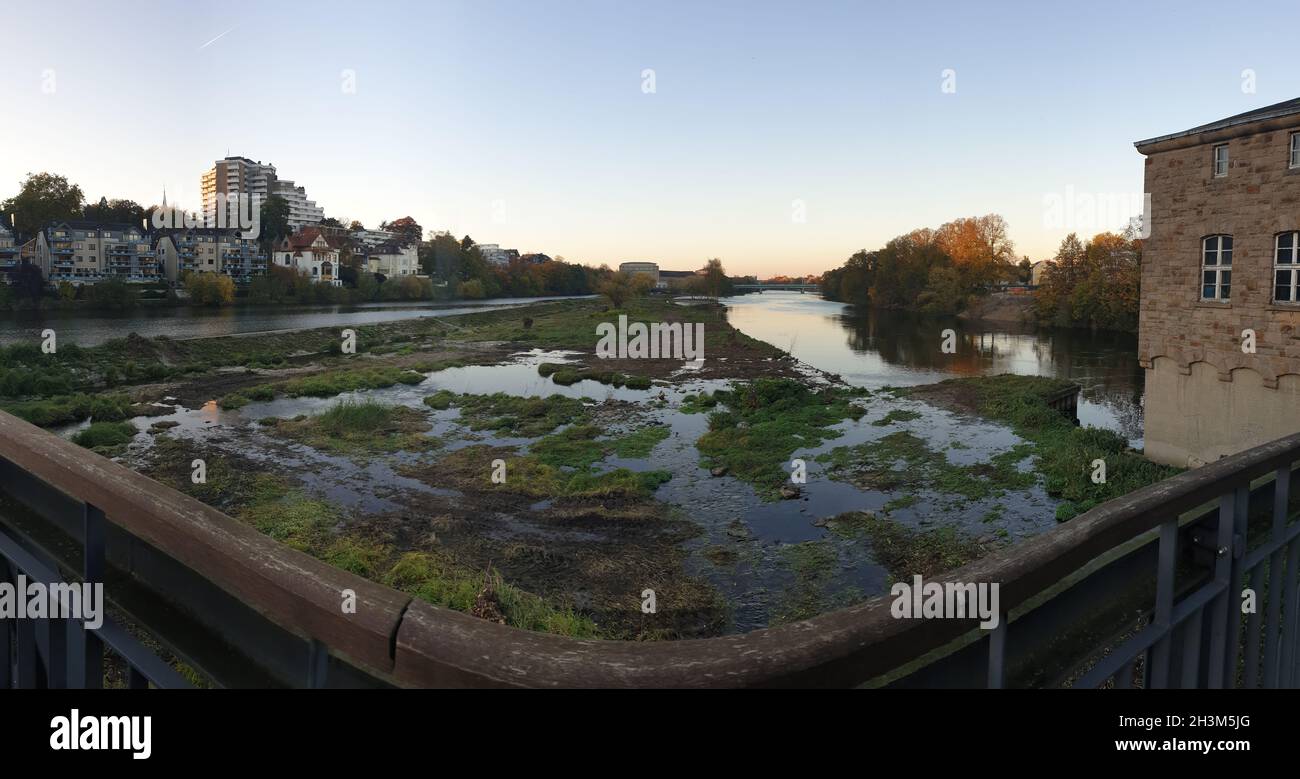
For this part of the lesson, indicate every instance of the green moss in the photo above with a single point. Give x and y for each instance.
(1065, 452)
(638, 444)
(904, 461)
(510, 415)
(906, 501)
(897, 415)
(765, 422)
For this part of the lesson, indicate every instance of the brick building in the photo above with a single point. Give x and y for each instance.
(1222, 257)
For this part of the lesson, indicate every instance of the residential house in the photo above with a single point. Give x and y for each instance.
(393, 259)
(312, 252)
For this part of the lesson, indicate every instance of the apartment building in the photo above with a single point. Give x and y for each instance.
(205, 250)
(312, 252)
(371, 239)
(1219, 323)
(234, 176)
(247, 178)
(393, 259)
(86, 252)
(303, 212)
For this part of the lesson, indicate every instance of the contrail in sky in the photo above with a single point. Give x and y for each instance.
(214, 40)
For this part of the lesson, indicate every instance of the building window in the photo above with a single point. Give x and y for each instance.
(1295, 150)
(1220, 161)
(1216, 268)
(1286, 268)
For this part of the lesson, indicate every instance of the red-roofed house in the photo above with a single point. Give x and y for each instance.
(312, 252)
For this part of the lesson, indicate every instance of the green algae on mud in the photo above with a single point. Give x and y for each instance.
(1064, 452)
(269, 503)
(903, 461)
(764, 422)
(107, 438)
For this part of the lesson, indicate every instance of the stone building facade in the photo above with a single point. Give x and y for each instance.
(1219, 265)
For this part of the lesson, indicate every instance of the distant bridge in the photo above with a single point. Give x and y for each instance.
(791, 287)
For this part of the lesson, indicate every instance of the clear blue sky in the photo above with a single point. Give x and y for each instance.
(525, 123)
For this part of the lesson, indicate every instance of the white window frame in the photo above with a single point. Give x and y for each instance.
(1224, 148)
(1289, 271)
(1212, 247)
(1295, 150)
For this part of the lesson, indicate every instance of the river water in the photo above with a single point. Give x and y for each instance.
(758, 536)
(90, 328)
(873, 348)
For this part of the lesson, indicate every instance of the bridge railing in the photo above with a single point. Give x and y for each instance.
(194, 578)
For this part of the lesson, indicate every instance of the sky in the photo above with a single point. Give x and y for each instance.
(780, 137)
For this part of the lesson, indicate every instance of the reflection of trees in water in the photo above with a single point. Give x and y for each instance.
(1103, 363)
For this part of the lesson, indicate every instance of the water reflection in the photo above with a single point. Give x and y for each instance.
(874, 348)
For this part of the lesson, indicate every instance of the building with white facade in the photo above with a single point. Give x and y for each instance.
(374, 238)
(312, 252)
(393, 260)
(302, 211)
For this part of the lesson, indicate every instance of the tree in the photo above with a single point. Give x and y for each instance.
(408, 230)
(356, 226)
(330, 221)
(621, 287)
(210, 289)
(715, 278)
(28, 281)
(121, 211)
(43, 198)
(274, 220)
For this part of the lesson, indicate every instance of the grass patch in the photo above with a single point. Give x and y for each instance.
(1065, 452)
(510, 415)
(765, 422)
(107, 438)
(361, 427)
(905, 552)
(813, 566)
(639, 443)
(325, 385)
(904, 461)
(439, 580)
(552, 474)
(65, 409)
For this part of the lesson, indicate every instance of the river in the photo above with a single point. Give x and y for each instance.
(90, 328)
(874, 348)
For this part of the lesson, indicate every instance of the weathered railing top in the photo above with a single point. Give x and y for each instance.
(414, 643)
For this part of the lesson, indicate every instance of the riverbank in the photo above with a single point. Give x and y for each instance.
(492, 462)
